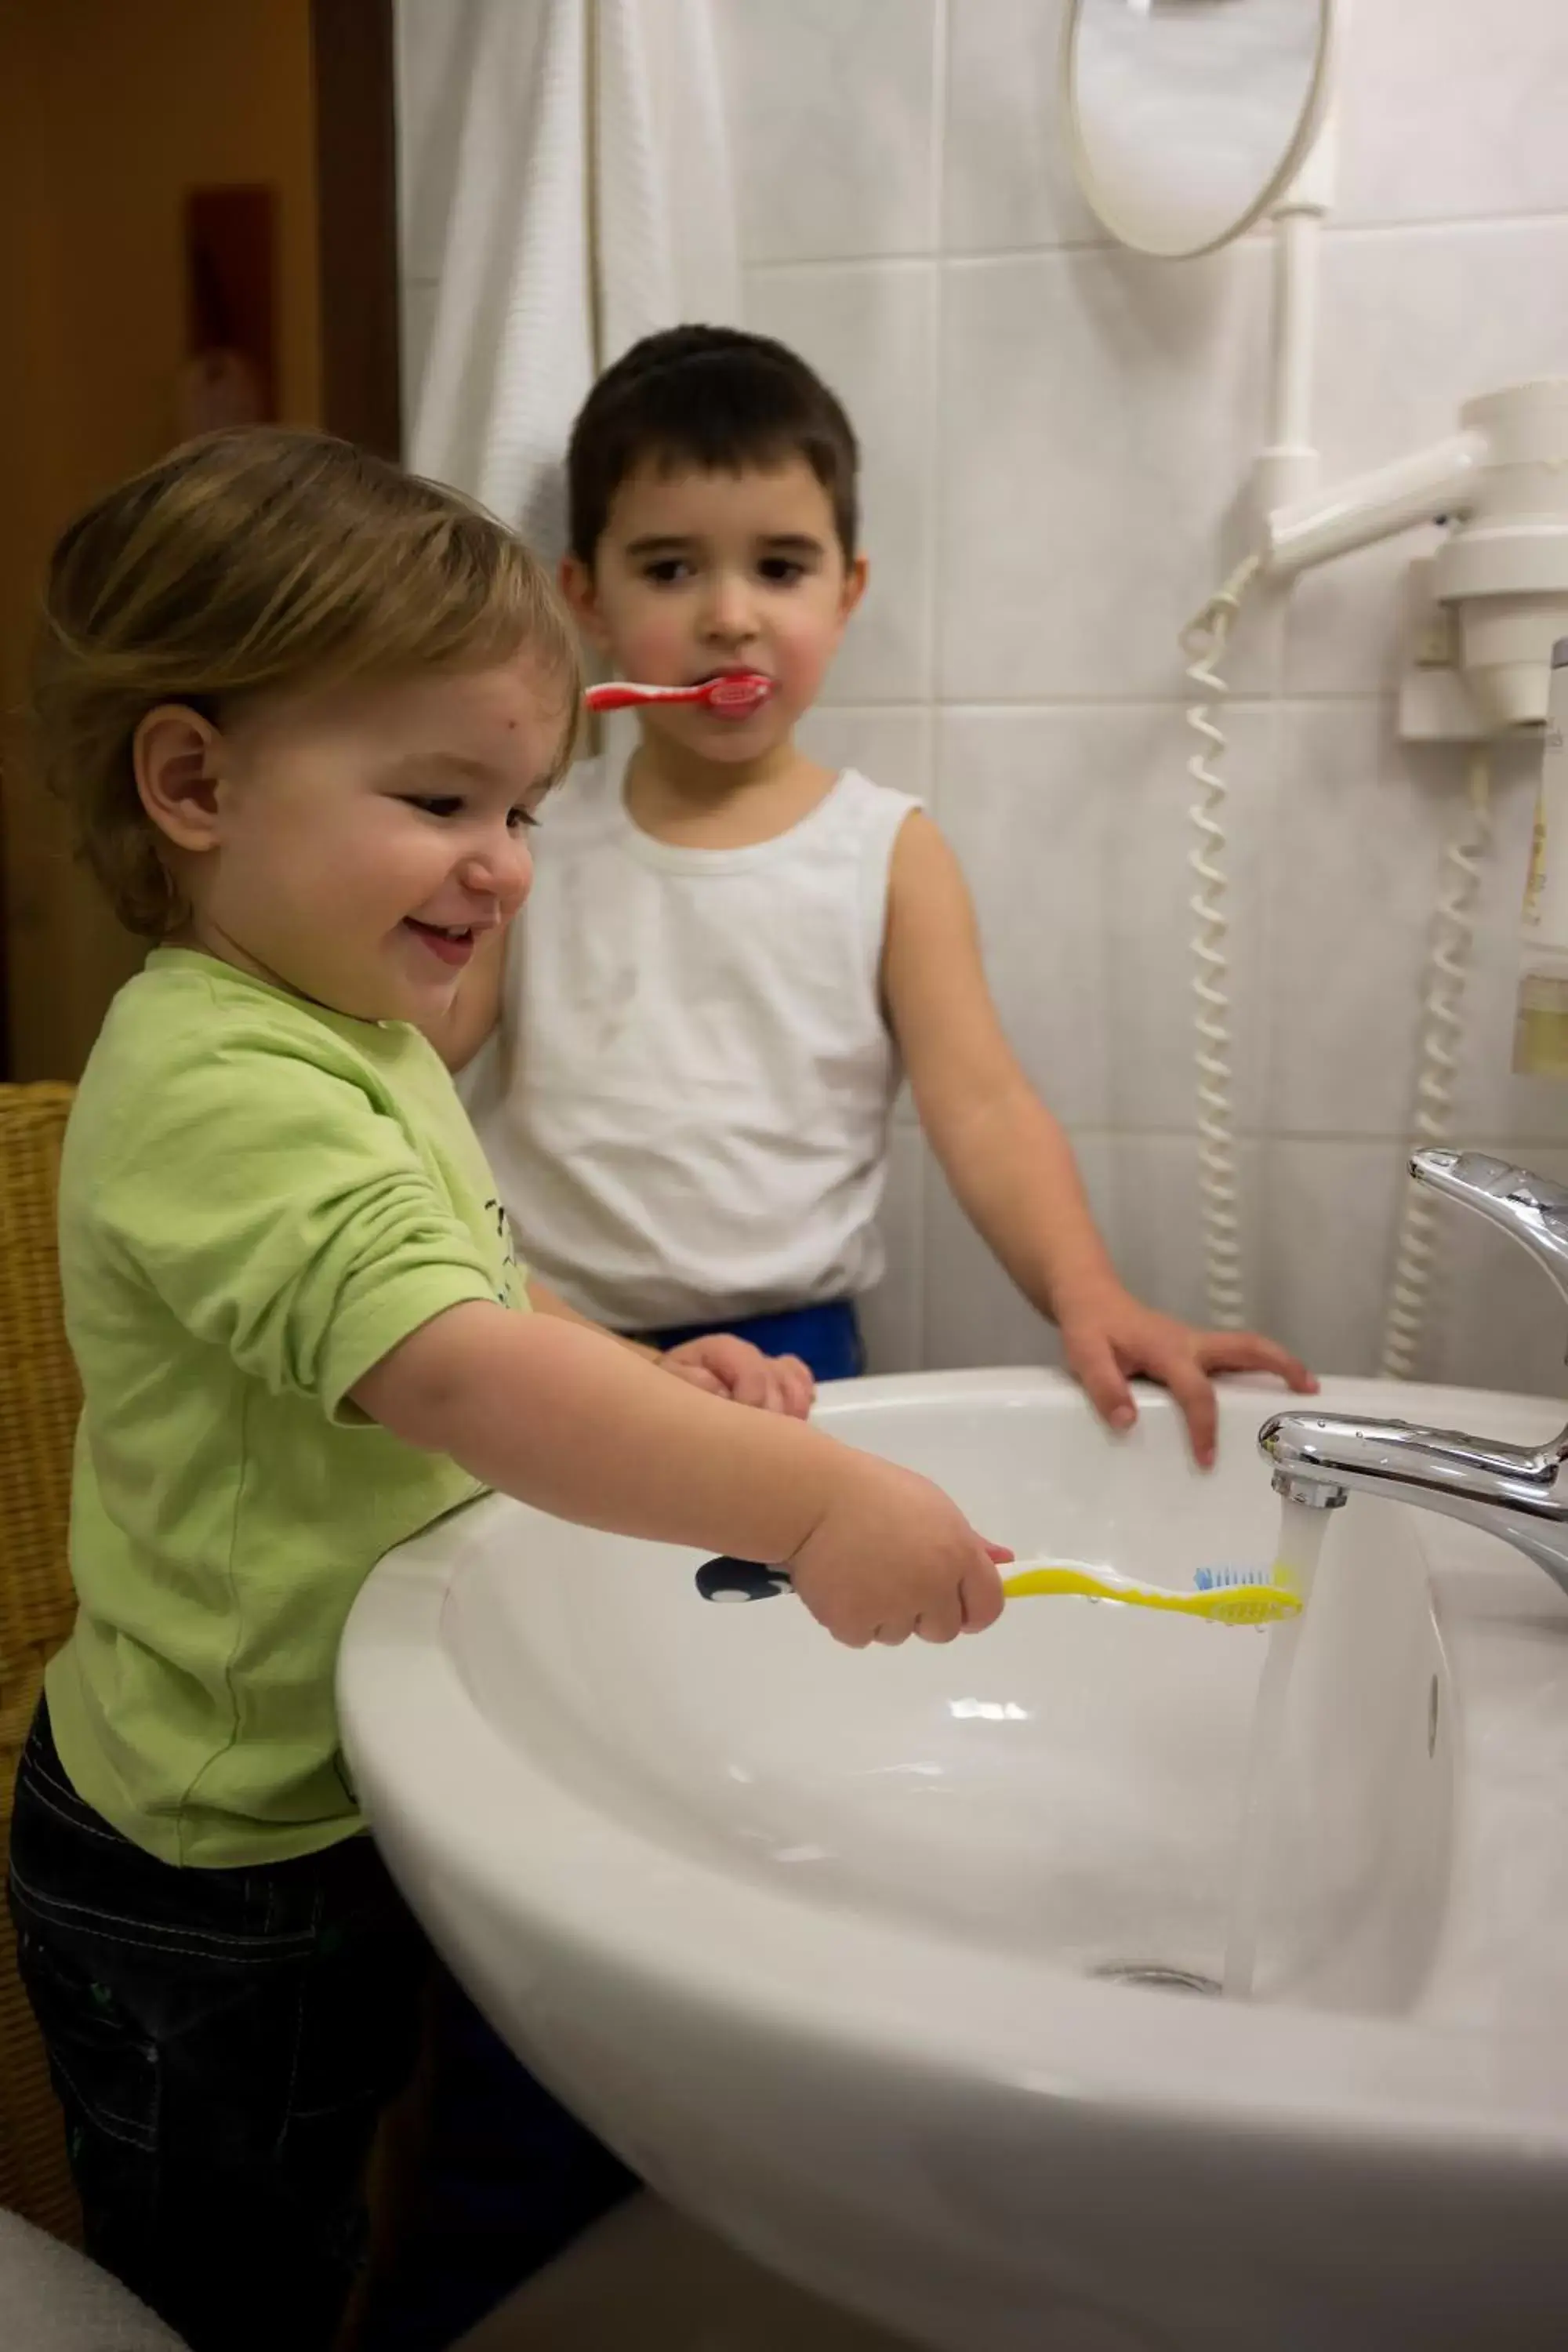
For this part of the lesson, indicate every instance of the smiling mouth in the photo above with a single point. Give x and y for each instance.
(453, 943)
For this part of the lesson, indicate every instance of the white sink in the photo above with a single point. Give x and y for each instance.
(825, 1942)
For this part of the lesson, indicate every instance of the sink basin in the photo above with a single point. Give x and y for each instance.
(890, 1966)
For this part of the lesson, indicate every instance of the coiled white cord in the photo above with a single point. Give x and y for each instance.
(1204, 641)
(1448, 970)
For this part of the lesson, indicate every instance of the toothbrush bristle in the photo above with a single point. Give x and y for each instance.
(1267, 1607)
(1258, 1600)
(741, 690)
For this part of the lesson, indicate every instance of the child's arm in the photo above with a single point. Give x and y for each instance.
(545, 1301)
(476, 1008)
(720, 1363)
(1012, 1167)
(563, 1419)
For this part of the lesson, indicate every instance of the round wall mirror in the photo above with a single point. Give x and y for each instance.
(1187, 118)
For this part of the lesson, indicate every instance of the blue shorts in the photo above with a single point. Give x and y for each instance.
(825, 1338)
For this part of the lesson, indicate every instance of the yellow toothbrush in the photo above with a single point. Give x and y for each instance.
(1223, 1596)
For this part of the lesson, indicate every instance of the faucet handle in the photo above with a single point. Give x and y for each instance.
(1532, 1208)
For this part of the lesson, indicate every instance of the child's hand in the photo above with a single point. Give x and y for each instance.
(1112, 1335)
(891, 1555)
(728, 1366)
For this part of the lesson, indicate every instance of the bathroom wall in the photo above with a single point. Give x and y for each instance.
(1055, 432)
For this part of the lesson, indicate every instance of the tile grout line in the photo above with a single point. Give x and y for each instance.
(972, 706)
(941, 34)
(1484, 1137)
(1037, 249)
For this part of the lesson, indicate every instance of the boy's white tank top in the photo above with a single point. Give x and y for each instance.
(686, 1104)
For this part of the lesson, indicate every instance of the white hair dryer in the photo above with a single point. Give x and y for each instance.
(1500, 483)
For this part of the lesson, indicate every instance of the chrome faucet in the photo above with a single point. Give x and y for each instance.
(1512, 1491)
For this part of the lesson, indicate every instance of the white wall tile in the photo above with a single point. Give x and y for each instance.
(890, 742)
(1453, 111)
(869, 331)
(1155, 1220)
(833, 127)
(435, 49)
(974, 1315)
(1074, 830)
(1099, 414)
(1359, 826)
(1324, 1224)
(892, 1315)
(1008, 179)
(1414, 322)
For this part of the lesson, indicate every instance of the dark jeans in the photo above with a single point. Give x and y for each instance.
(508, 2178)
(223, 2043)
(826, 1339)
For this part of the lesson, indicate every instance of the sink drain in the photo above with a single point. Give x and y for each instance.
(1155, 1974)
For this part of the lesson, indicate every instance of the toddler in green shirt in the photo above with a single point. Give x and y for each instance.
(304, 710)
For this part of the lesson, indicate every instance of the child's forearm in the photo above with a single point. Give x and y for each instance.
(1013, 1173)
(528, 1403)
(545, 1301)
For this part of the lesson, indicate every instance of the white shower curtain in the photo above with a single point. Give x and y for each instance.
(592, 201)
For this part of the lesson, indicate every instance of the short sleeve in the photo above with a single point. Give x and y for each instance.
(280, 1214)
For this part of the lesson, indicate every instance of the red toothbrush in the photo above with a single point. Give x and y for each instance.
(736, 695)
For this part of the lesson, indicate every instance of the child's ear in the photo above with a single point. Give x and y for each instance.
(174, 753)
(856, 576)
(581, 591)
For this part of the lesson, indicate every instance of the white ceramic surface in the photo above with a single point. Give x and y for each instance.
(1081, 884)
(1484, 90)
(810, 1936)
(861, 84)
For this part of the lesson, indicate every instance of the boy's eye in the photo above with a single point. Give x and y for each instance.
(782, 571)
(665, 570)
(521, 820)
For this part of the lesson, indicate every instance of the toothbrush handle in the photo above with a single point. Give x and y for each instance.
(726, 1579)
(1024, 1582)
(741, 1579)
(620, 694)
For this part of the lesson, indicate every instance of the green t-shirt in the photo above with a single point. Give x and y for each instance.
(258, 1199)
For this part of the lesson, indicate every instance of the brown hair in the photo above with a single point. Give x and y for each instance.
(249, 562)
(715, 398)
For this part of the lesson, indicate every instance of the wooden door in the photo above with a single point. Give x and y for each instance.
(111, 116)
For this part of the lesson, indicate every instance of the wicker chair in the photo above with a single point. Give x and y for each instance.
(39, 1401)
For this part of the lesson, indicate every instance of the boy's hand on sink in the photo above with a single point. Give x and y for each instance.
(891, 1555)
(718, 1362)
(1109, 1337)
(728, 1367)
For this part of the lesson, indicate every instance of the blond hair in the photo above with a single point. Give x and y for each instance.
(258, 561)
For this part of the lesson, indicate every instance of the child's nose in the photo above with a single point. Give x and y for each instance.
(502, 871)
(730, 609)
